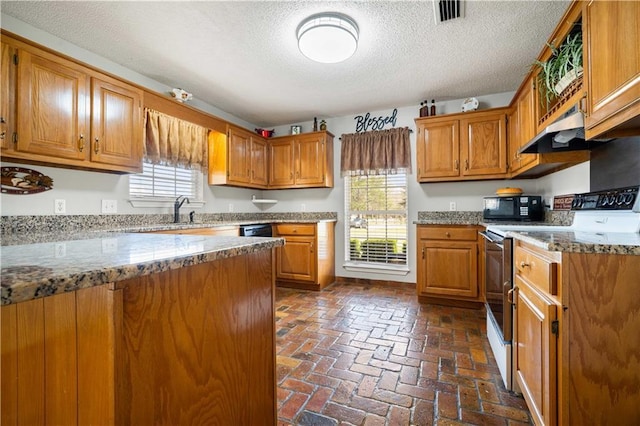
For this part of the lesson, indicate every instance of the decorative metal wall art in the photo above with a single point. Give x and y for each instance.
(20, 180)
(365, 122)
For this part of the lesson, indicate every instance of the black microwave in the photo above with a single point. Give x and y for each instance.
(516, 208)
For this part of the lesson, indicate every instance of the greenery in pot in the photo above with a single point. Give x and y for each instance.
(564, 66)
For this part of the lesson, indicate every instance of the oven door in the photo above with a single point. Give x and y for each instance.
(498, 282)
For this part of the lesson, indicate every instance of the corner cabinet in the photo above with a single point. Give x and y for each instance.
(307, 260)
(64, 114)
(301, 161)
(466, 146)
(448, 268)
(237, 158)
(611, 33)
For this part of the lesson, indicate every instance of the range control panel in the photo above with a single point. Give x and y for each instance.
(614, 199)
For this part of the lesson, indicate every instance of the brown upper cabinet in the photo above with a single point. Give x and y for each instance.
(242, 158)
(611, 35)
(68, 115)
(465, 146)
(301, 161)
(237, 158)
(522, 128)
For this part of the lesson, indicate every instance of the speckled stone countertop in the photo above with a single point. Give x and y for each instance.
(475, 218)
(563, 241)
(37, 270)
(581, 242)
(44, 255)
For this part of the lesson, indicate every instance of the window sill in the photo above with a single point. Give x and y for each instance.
(380, 269)
(141, 202)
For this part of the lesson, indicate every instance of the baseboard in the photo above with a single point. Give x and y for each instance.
(366, 281)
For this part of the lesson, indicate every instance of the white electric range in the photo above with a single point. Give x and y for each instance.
(604, 217)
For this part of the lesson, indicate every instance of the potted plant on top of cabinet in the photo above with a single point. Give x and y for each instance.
(561, 69)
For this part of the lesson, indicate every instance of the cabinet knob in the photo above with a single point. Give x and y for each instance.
(447, 234)
(457, 165)
(422, 253)
(524, 264)
(466, 164)
(2, 135)
(81, 143)
(2, 120)
(96, 146)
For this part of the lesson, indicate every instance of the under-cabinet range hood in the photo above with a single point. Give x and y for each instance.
(565, 134)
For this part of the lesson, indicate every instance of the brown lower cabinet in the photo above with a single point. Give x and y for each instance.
(448, 267)
(194, 345)
(307, 260)
(576, 328)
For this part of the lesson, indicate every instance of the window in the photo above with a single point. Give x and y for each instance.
(376, 216)
(165, 183)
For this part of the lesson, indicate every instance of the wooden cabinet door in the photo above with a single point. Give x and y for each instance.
(448, 268)
(611, 33)
(438, 150)
(527, 121)
(259, 162)
(116, 124)
(7, 96)
(296, 260)
(513, 140)
(239, 156)
(52, 101)
(535, 349)
(483, 145)
(309, 157)
(281, 165)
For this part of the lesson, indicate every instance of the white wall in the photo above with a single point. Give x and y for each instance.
(83, 191)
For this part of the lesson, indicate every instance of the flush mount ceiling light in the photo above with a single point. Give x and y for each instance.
(328, 37)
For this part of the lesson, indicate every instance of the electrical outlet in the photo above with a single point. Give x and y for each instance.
(452, 206)
(230, 208)
(59, 207)
(303, 207)
(109, 206)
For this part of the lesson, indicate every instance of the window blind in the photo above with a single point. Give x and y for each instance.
(376, 216)
(165, 182)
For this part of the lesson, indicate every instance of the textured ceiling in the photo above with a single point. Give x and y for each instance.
(242, 56)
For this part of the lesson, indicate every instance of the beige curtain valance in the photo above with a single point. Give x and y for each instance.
(379, 152)
(174, 142)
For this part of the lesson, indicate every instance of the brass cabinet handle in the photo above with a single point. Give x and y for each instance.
(457, 165)
(81, 143)
(447, 234)
(524, 264)
(422, 253)
(466, 164)
(96, 146)
(2, 120)
(2, 135)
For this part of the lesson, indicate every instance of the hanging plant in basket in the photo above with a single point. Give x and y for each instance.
(563, 67)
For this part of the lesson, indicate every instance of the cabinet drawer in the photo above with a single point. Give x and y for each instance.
(295, 229)
(446, 233)
(536, 270)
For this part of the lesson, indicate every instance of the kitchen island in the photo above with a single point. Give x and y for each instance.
(139, 329)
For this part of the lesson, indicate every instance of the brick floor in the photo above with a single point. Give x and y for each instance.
(358, 354)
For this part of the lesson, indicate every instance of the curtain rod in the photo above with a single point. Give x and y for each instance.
(410, 131)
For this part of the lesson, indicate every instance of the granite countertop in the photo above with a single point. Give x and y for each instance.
(556, 240)
(581, 242)
(36, 270)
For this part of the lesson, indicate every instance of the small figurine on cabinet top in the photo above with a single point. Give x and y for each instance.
(323, 125)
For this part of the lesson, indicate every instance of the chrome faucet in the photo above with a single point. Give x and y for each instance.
(176, 207)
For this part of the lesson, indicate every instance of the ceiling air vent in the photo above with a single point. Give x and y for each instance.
(448, 10)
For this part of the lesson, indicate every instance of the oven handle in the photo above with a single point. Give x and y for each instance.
(486, 235)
